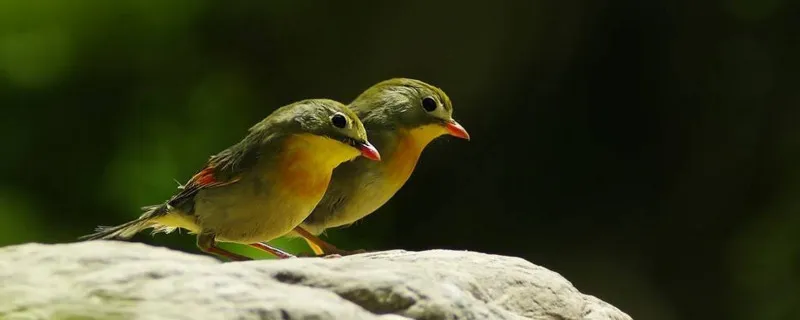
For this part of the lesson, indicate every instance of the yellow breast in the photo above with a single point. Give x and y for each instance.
(404, 159)
(307, 161)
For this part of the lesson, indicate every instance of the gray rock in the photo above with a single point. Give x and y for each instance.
(122, 280)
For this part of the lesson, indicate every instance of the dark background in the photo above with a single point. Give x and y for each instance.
(646, 150)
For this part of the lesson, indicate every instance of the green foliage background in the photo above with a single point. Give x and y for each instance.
(646, 150)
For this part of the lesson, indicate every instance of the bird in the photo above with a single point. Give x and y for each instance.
(263, 186)
(401, 116)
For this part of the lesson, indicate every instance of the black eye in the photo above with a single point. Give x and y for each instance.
(339, 121)
(429, 104)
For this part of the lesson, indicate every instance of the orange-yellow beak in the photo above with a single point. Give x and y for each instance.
(456, 130)
(369, 151)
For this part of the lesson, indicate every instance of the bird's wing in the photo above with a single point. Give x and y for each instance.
(222, 169)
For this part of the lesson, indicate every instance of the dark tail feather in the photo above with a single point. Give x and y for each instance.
(128, 229)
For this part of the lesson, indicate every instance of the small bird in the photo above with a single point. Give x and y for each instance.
(401, 116)
(263, 186)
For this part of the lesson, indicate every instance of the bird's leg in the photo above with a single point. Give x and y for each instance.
(274, 251)
(317, 250)
(206, 242)
(320, 247)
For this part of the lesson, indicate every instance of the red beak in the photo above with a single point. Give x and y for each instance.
(456, 130)
(369, 151)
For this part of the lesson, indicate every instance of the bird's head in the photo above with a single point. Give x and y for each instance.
(411, 105)
(323, 118)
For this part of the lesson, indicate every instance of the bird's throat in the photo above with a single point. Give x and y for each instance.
(423, 135)
(406, 153)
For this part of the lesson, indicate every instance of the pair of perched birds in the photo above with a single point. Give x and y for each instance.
(298, 171)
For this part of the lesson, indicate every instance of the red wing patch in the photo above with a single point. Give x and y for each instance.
(205, 178)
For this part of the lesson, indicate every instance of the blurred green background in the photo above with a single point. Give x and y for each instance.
(646, 150)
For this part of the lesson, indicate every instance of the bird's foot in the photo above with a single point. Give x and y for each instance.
(352, 252)
(338, 253)
(314, 255)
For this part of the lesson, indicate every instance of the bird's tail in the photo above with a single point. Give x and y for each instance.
(128, 229)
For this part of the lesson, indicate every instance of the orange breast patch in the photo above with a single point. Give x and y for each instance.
(403, 160)
(303, 176)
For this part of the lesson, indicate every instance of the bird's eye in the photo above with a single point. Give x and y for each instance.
(338, 120)
(429, 104)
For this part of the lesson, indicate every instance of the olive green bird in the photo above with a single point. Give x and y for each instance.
(265, 185)
(401, 117)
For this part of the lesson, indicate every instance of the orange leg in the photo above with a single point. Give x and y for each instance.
(314, 247)
(320, 247)
(226, 254)
(206, 242)
(275, 251)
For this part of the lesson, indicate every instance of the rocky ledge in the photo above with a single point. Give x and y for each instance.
(120, 280)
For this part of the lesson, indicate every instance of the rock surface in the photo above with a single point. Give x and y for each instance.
(120, 280)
